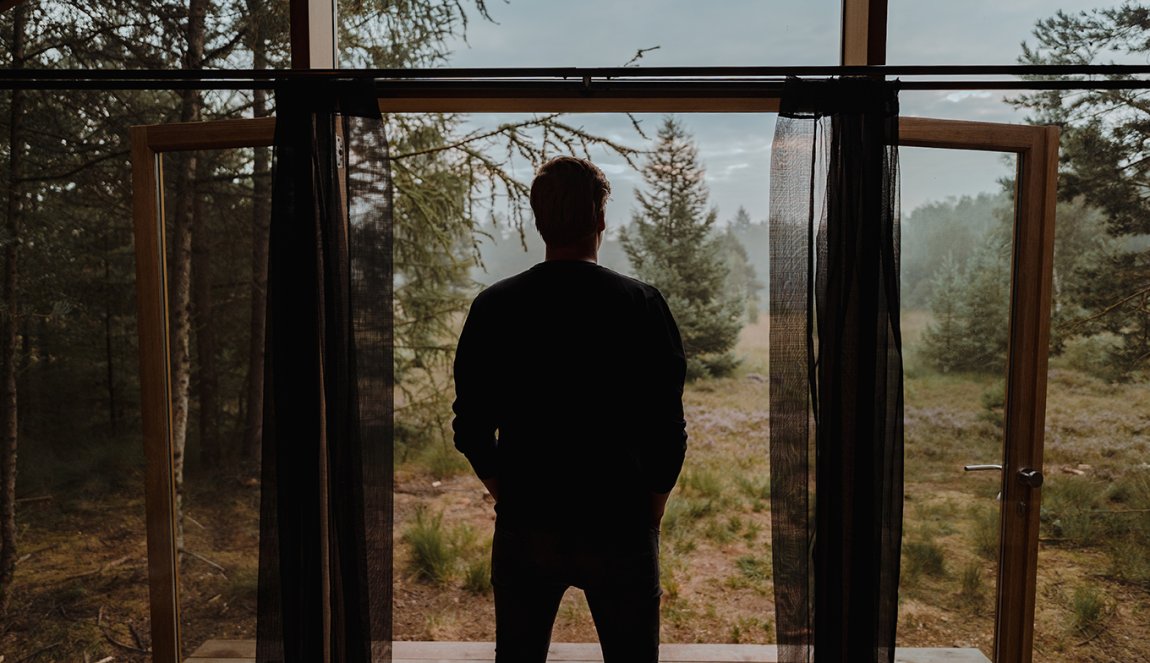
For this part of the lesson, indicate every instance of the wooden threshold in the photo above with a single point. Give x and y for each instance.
(244, 651)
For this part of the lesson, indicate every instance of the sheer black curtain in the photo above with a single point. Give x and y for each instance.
(325, 517)
(836, 371)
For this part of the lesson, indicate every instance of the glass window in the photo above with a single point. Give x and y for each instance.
(603, 33)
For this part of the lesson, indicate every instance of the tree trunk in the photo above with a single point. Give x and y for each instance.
(191, 110)
(261, 217)
(208, 375)
(109, 354)
(9, 338)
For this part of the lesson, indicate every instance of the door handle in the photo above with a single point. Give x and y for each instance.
(1028, 476)
(980, 468)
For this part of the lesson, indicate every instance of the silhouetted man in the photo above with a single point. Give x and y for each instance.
(569, 385)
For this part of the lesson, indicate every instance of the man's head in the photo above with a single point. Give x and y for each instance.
(569, 199)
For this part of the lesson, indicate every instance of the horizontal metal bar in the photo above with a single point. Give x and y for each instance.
(1020, 70)
(593, 88)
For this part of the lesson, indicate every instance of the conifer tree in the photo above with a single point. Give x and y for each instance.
(944, 340)
(671, 244)
(742, 281)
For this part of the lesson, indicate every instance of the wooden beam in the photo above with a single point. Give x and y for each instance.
(863, 32)
(313, 34)
(155, 397)
(1025, 412)
(244, 651)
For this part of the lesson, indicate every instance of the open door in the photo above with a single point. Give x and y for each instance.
(1036, 151)
(1037, 156)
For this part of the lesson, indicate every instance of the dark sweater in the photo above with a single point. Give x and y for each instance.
(569, 385)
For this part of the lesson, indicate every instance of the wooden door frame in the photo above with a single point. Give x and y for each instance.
(1036, 148)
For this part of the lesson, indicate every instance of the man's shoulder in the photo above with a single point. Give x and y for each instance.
(542, 275)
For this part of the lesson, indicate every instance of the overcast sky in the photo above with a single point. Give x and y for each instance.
(735, 148)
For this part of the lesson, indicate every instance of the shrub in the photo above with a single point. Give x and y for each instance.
(971, 586)
(443, 461)
(985, 533)
(1087, 607)
(477, 576)
(432, 554)
(924, 558)
(754, 568)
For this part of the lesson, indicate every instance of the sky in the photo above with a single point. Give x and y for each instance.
(735, 148)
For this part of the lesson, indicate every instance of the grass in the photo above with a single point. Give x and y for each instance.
(923, 558)
(984, 532)
(477, 575)
(1088, 609)
(432, 555)
(972, 586)
(440, 555)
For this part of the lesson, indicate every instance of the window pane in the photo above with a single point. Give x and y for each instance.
(601, 33)
(974, 32)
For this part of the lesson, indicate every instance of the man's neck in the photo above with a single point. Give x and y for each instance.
(571, 253)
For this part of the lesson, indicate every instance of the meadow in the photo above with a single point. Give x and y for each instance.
(81, 590)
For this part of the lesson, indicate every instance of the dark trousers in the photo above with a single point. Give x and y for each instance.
(619, 573)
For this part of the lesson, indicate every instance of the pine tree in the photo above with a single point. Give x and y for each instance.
(944, 341)
(672, 245)
(742, 282)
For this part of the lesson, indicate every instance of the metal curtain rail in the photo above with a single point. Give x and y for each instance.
(641, 81)
(581, 72)
(546, 88)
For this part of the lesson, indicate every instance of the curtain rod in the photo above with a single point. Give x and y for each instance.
(586, 86)
(615, 81)
(575, 72)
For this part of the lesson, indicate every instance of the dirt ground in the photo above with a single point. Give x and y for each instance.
(81, 590)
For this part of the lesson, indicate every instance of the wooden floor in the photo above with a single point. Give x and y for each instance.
(244, 651)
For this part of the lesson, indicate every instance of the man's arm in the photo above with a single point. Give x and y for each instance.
(666, 442)
(474, 423)
(658, 507)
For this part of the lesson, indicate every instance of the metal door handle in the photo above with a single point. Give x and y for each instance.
(1030, 477)
(980, 468)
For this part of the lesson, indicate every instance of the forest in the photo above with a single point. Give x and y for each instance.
(73, 574)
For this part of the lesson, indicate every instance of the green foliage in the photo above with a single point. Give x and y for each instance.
(671, 244)
(1105, 165)
(985, 532)
(944, 340)
(971, 309)
(751, 629)
(972, 589)
(952, 227)
(432, 555)
(477, 575)
(442, 460)
(1070, 506)
(923, 557)
(755, 569)
(742, 283)
(1088, 608)
(441, 554)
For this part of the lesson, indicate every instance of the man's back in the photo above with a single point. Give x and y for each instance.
(579, 373)
(580, 370)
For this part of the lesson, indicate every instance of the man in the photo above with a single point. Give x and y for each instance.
(569, 384)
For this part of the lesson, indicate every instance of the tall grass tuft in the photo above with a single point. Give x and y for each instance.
(971, 590)
(432, 554)
(985, 532)
(924, 558)
(1088, 608)
(477, 575)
